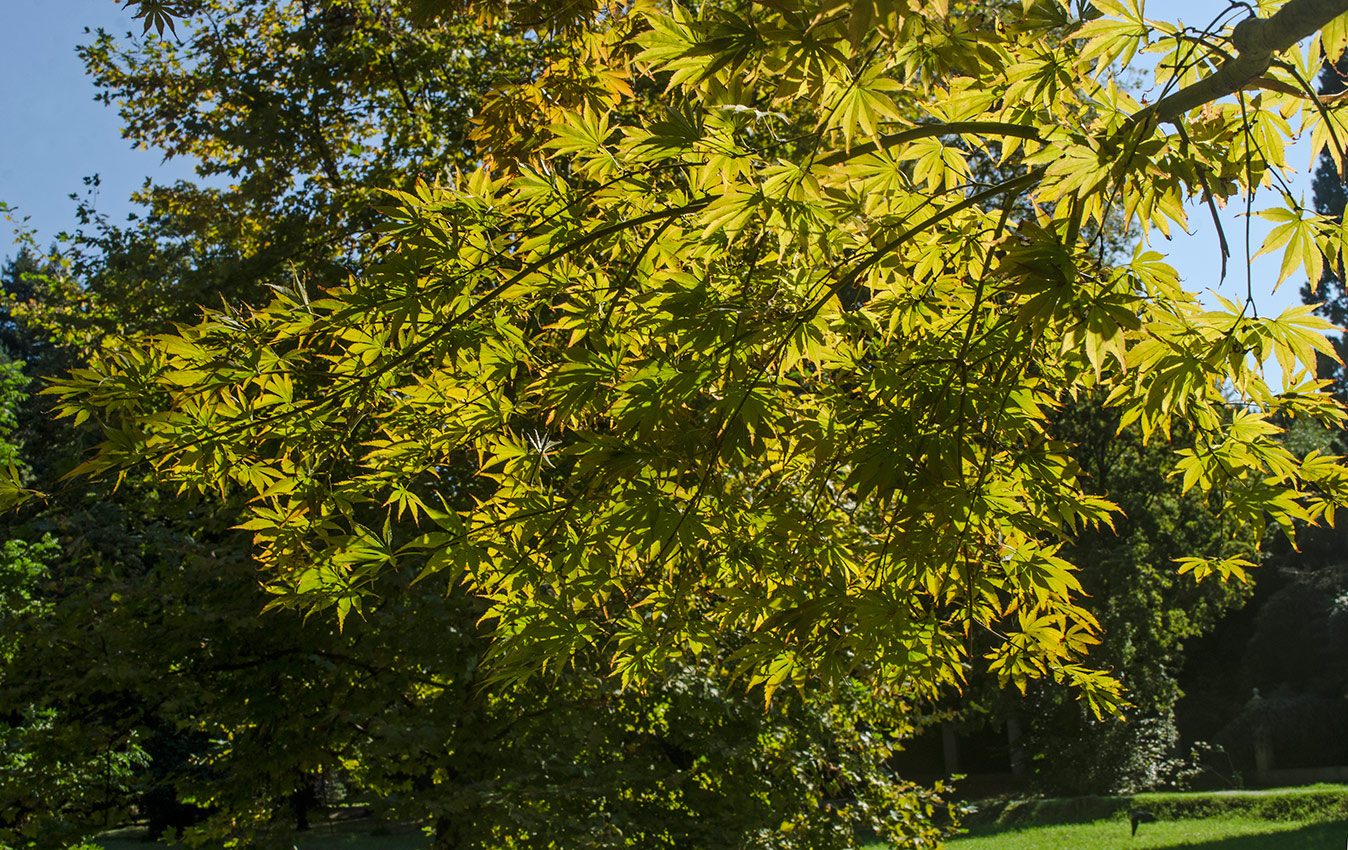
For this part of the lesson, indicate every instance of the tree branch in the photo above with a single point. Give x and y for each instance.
(1255, 40)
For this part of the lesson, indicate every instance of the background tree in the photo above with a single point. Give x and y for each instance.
(1148, 615)
(297, 115)
(44, 767)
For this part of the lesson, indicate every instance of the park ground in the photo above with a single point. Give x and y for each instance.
(1278, 819)
(1307, 818)
(1219, 833)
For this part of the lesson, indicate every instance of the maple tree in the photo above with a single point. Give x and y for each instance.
(137, 679)
(729, 372)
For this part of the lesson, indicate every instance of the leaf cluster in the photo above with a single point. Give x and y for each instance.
(688, 380)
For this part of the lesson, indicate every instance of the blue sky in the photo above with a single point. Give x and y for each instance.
(55, 135)
(1197, 255)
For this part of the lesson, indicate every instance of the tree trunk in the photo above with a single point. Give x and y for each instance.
(449, 834)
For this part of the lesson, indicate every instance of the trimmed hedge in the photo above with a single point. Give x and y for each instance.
(1314, 803)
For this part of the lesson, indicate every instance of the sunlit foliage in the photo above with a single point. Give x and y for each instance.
(723, 373)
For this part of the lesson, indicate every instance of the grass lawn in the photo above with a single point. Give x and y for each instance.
(1217, 833)
(1306, 818)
